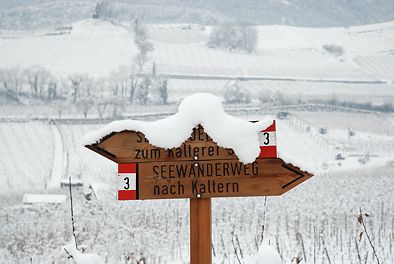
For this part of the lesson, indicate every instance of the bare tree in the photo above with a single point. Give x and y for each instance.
(119, 81)
(103, 10)
(101, 107)
(12, 80)
(5, 80)
(163, 89)
(85, 104)
(76, 81)
(233, 38)
(234, 93)
(118, 105)
(60, 105)
(52, 89)
(142, 92)
(134, 80)
(9, 82)
(37, 78)
(143, 44)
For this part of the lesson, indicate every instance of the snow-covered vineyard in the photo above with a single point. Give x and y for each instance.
(317, 221)
(284, 52)
(329, 89)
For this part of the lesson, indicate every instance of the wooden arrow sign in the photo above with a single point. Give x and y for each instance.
(208, 179)
(199, 168)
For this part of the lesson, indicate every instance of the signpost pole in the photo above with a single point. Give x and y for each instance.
(200, 231)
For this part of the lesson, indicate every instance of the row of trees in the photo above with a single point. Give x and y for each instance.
(225, 36)
(36, 85)
(126, 85)
(233, 38)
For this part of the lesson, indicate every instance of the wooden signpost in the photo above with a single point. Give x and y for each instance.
(200, 170)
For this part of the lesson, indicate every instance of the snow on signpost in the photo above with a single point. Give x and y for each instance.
(198, 153)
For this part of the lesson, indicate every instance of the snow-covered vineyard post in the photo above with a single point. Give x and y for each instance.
(199, 153)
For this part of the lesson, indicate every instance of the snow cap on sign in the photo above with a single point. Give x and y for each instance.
(200, 108)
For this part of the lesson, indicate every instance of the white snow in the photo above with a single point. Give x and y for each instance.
(80, 258)
(200, 108)
(44, 198)
(266, 255)
(92, 47)
(57, 168)
(282, 52)
(98, 47)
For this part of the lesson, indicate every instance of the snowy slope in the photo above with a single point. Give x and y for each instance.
(99, 47)
(283, 52)
(326, 205)
(26, 157)
(81, 163)
(92, 47)
(301, 142)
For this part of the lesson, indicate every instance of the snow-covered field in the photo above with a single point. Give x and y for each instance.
(317, 220)
(288, 60)
(324, 207)
(97, 48)
(90, 48)
(26, 157)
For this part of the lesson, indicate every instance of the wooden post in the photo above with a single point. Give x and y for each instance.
(200, 231)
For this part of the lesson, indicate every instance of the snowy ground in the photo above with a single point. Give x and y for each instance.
(96, 48)
(90, 48)
(323, 208)
(287, 60)
(36, 155)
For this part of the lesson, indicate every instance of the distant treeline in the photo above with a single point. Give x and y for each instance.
(46, 13)
(37, 86)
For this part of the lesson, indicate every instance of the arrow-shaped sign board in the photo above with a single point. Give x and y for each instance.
(199, 168)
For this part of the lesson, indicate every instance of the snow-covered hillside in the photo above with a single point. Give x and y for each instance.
(324, 207)
(324, 86)
(282, 52)
(98, 47)
(88, 47)
(26, 157)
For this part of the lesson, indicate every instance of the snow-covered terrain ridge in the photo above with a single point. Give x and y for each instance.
(282, 52)
(200, 108)
(96, 48)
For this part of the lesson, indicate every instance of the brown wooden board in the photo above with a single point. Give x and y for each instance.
(197, 169)
(218, 178)
(133, 147)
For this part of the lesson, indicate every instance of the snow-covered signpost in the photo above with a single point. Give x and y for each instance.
(199, 153)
